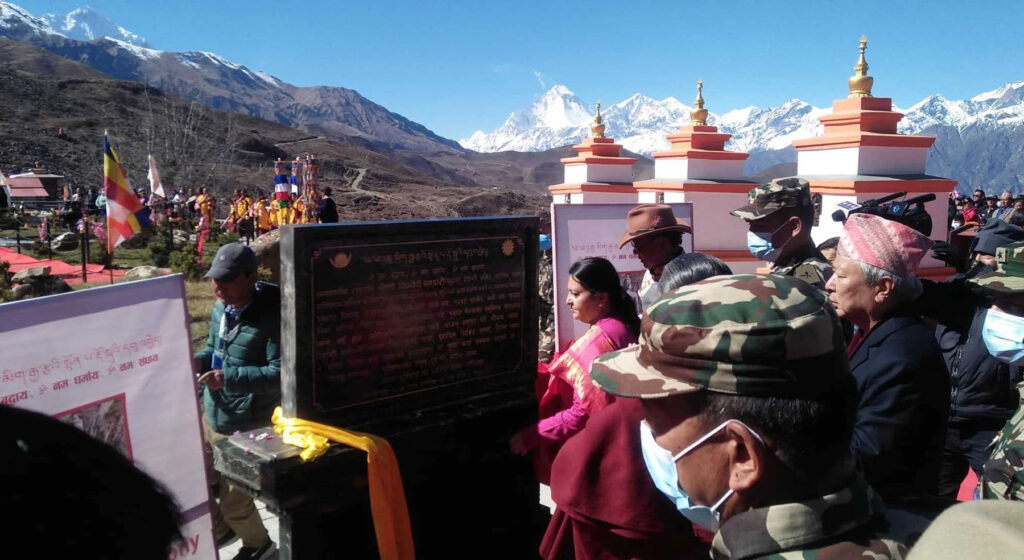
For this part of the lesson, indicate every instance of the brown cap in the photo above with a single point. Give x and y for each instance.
(649, 219)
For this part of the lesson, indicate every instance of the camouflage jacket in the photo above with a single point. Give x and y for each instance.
(806, 263)
(846, 524)
(1003, 475)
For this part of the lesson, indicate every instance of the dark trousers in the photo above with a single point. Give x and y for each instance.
(966, 446)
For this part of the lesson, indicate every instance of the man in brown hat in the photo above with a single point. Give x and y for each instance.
(657, 238)
(780, 215)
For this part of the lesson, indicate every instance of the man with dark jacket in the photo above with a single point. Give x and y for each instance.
(242, 380)
(327, 210)
(982, 396)
(901, 380)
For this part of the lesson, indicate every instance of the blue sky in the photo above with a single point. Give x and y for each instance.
(457, 66)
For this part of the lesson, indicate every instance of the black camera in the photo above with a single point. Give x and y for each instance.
(910, 212)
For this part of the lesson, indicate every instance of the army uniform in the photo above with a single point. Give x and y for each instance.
(804, 262)
(712, 336)
(1003, 474)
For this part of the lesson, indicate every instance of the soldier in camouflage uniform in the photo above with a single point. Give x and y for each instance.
(749, 405)
(780, 215)
(1003, 474)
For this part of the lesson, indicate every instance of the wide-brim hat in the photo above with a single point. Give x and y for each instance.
(650, 219)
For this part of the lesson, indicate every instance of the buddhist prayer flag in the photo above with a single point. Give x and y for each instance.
(125, 214)
(155, 186)
(296, 177)
(281, 185)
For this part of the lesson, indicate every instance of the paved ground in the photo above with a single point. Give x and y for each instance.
(269, 521)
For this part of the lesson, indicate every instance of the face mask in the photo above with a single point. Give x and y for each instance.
(760, 245)
(661, 464)
(1004, 336)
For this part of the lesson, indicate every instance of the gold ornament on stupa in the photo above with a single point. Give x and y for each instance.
(597, 129)
(699, 115)
(860, 82)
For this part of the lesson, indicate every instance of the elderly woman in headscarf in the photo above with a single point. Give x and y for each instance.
(901, 377)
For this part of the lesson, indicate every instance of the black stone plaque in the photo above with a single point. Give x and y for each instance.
(387, 318)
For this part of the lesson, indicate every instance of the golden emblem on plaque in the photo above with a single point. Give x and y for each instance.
(341, 260)
(508, 247)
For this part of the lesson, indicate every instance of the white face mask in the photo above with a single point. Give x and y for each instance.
(661, 464)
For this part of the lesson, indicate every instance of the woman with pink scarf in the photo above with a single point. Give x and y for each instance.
(567, 396)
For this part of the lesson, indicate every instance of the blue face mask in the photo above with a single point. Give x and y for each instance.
(760, 244)
(661, 464)
(1004, 336)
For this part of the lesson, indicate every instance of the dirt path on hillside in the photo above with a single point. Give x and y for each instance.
(279, 144)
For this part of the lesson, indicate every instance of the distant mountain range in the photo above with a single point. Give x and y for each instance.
(83, 35)
(335, 113)
(979, 141)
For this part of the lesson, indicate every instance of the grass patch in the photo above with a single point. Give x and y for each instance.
(200, 298)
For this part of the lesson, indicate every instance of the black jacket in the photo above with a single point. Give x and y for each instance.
(328, 211)
(983, 394)
(900, 427)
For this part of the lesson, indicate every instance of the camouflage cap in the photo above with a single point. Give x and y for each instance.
(762, 200)
(1009, 276)
(760, 335)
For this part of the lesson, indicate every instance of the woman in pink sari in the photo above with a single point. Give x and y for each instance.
(567, 396)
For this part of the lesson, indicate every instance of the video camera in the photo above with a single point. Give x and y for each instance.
(910, 212)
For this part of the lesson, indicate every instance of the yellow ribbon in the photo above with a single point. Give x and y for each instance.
(387, 497)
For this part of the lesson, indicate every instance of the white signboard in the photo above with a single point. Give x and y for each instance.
(593, 230)
(116, 362)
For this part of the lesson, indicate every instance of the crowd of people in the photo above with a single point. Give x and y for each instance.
(981, 208)
(246, 216)
(830, 409)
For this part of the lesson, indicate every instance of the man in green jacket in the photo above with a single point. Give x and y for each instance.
(241, 365)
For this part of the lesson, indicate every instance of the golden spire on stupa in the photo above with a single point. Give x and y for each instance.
(699, 115)
(860, 82)
(597, 130)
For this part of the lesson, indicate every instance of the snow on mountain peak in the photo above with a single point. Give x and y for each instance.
(998, 92)
(86, 24)
(18, 24)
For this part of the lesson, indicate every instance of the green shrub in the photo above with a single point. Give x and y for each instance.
(184, 261)
(162, 245)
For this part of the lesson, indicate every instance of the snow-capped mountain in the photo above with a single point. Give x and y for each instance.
(640, 123)
(86, 36)
(17, 24)
(560, 111)
(977, 139)
(86, 24)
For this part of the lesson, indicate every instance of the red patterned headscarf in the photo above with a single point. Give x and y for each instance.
(883, 243)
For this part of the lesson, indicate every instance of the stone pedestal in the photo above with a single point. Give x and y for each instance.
(862, 157)
(423, 332)
(466, 493)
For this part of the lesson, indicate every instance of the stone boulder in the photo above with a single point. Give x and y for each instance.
(268, 250)
(181, 238)
(143, 272)
(65, 241)
(31, 275)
